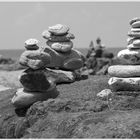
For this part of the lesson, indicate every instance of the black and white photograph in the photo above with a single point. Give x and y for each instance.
(70, 69)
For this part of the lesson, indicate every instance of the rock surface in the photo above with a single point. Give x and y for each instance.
(124, 71)
(131, 57)
(124, 84)
(76, 113)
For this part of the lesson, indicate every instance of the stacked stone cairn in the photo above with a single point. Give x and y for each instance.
(47, 66)
(126, 76)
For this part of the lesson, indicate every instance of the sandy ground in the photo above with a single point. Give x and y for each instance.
(10, 78)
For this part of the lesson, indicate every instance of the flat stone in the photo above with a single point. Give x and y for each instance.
(60, 46)
(130, 40)
(134, 20)
(136, 24)
(124, 71)
(133, 47)
(124, 84)
(131, 57)
(134, 34)
(58, 29)
(55, 38)
(31, 44)
(64, 60)
(135, 29)
(35, 59)
(42, 80)
(24, 98)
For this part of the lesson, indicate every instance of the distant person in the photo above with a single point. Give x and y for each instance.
(99, 48)
(90, 50)
(91, 61)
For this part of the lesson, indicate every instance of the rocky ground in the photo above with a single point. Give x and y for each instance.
(76, 113)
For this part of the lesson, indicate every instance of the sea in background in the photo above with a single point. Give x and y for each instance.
(15, 53)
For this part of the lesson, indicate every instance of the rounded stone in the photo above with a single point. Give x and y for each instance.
(124, 71)
(24, 98)
(58, 60)
(134, 20)
(55, 38)
(130, 40)
(124, 84)
(136, 42)
(104, 93)
(58, 29)
(60, 46)
(35, 80)
(35, 59)
(134, 34)
(130, 57)
(31, 44)
(136, 24)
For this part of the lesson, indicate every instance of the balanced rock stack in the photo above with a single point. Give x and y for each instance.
(126, 77)
(34, 89)
(47, 66)
(63, 56)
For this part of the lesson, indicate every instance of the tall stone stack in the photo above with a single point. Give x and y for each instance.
(126, 76)
(47, 66)
(33, 88)
(61, 48)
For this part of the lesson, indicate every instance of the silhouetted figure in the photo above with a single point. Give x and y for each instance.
(91, 49)
(91, 61)
(99, 48)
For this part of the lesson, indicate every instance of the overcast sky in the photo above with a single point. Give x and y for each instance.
(109, 20)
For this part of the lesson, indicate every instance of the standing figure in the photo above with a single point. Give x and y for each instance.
(99, 48)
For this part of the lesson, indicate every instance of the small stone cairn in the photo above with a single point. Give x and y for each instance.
(126, 76)
(47, 66)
